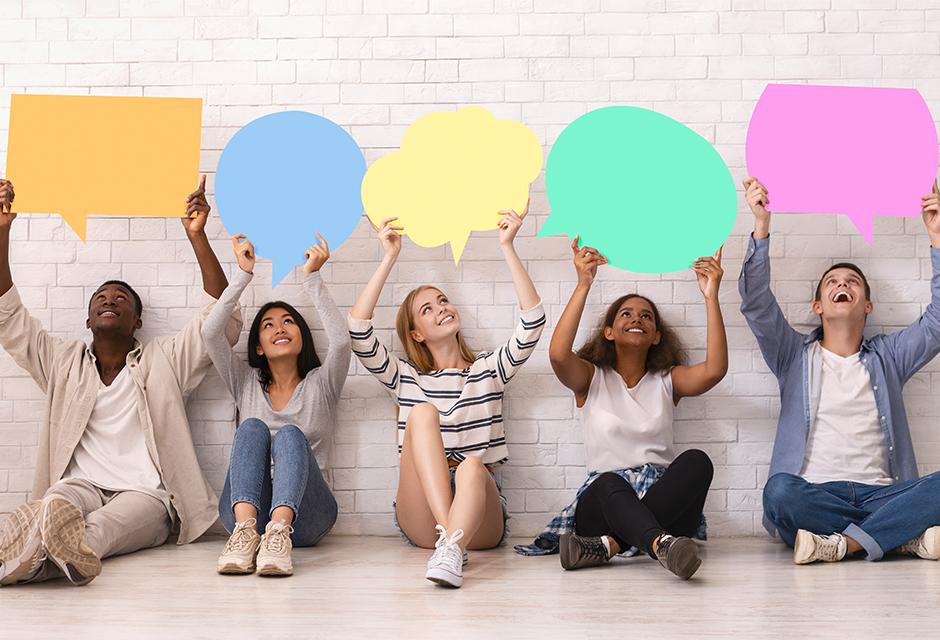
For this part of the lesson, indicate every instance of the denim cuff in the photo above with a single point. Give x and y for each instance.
(246, 500)
(872, 548)
(283, 503)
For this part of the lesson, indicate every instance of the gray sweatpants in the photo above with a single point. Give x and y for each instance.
(116, 522)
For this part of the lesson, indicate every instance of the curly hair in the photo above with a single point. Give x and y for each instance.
(603, 352)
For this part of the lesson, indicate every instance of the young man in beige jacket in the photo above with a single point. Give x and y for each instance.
(116, 468)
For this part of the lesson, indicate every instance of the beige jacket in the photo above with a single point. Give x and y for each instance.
(165, 370)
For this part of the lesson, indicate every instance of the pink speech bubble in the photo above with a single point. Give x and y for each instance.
(856, 151)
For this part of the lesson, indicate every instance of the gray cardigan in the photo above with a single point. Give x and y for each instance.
(311, 407)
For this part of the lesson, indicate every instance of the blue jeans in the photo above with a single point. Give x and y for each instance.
(879, 518)
(297, 481)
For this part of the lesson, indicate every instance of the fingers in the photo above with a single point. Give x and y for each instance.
(718, 254)
(326, 245)
(574, 244)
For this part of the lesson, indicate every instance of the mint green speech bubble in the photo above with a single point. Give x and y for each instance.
(646, 191)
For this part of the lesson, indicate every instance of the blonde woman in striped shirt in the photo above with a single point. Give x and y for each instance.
(450, 423)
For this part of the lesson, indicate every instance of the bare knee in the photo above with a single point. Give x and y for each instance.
(423, 418)
(471, 469)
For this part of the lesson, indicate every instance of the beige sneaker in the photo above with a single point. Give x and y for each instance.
(238, 557)
(926, 545)
(21, 552)
(63, 535)
(811, 547)
(274, 553)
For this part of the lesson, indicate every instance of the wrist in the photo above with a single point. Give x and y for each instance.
(196, 235)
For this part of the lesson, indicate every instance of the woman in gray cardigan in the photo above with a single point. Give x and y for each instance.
(285, 400)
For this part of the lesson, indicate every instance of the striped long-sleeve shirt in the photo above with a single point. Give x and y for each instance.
(470, 401)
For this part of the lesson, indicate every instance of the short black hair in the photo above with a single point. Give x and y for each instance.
(138, 305)
(307, 359)
(843, 265)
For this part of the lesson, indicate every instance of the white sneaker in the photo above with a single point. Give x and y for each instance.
(274, 553)
(21, 550)
(926, 545)
(238, 556)
(811, 547)
(63, 535)
(446, 564)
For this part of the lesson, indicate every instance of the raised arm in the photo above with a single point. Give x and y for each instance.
(391, 242)
(917, 344)
(574, 372)
(779, 343)
(336, 364)
(194, 221)
(697, 379)
(232, 369)
(6, 220)
(509, 224)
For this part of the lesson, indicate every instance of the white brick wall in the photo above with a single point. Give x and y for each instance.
(374, 66)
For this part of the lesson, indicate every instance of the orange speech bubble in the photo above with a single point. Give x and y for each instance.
(124, 156)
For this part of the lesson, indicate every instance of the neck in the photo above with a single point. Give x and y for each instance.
(111, 352)
(842, 337)
(284, 374)
(447, 355)
(631, 365)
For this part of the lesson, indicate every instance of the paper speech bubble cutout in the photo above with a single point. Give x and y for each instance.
(856, 151)
(285, 176)
(452, 175)
(646, 191)
(124, 156)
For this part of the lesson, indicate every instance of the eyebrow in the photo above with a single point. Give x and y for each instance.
(266, 318)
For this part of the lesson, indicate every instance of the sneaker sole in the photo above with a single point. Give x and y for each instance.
(444, 578)
(931, 544)
(273, 570)
(234, 569)
(63, 535)
(686, 557)
(19, 542)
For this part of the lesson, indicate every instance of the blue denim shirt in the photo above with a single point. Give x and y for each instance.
(794, 358)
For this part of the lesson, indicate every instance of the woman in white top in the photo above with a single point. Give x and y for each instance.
(626, 380)
(450, 422)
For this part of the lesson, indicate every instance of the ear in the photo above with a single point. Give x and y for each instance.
(869, 307)
(609, 333)
(657, 338)
(258, 350)
(88, 322)
(817, 307)
(416, 336)
(138, 324)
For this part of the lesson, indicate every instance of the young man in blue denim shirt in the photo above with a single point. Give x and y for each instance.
(843, 478)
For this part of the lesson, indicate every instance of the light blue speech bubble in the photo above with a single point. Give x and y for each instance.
(286, 176)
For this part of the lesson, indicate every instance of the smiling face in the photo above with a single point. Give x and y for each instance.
(634, 325)
(278, 335)
(113, 309)
(842, 294)
(434, 318)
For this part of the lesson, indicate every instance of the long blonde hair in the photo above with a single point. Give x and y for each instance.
(418, 352)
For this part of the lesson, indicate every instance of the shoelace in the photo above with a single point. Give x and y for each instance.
(829, 549)
(241, 537)
(36, 563)
(277, 537)
(594, 549)
(662, 549)
(447, 551)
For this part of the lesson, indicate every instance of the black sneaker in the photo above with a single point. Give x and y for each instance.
(578, 552)
(679, 555)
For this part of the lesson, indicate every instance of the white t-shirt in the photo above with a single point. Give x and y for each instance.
(112, 453)
(846, 441)
(628, 427)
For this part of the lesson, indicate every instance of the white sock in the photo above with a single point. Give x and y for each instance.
(606, 542)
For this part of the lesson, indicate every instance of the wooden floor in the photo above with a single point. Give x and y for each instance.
(374, 587)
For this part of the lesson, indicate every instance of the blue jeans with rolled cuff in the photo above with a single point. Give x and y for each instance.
(880, 518)
(296, 481)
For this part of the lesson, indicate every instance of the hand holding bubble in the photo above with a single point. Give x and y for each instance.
(708, 273)
(586, 262)
(316, 256)
(7, 196)
(244, 252)
(390, 237)
(197, 210)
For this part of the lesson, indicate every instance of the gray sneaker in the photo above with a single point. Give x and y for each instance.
(21, 551)
(578, 552)
(679, 555)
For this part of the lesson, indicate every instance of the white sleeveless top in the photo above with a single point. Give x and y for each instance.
(628, 427)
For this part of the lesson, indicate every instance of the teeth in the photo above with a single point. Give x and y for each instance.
(634, 330)
(282, 341)
(842, 295)
(447, 319)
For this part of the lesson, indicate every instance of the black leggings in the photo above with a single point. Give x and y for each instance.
(610, 506)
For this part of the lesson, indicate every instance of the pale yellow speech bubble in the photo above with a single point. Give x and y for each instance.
(81, 155)
(454, 172)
